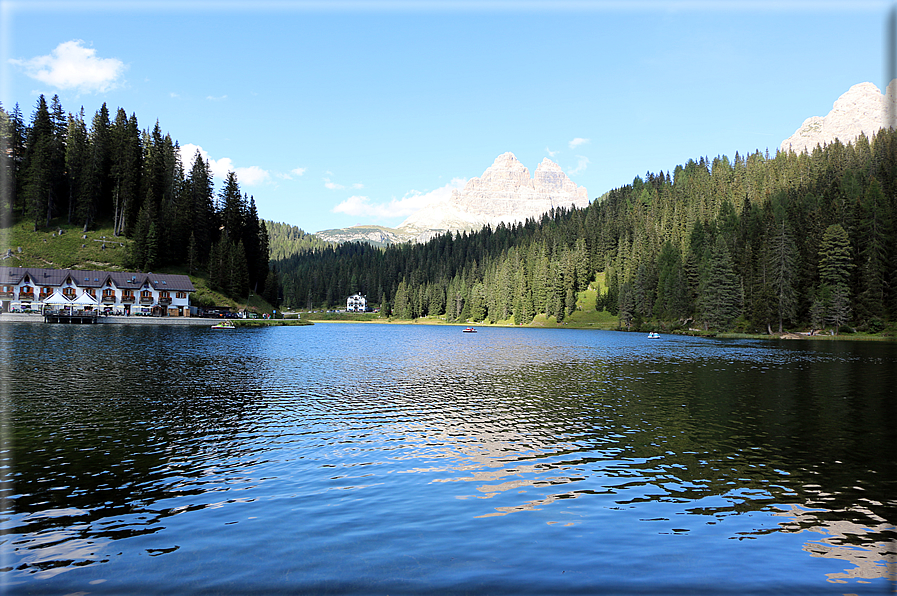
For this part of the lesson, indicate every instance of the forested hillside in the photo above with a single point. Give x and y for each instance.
(58, 166)
(285, 240)
(754, 243)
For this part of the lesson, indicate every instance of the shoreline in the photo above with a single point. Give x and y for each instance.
(196, 321)
(7, 317)
(786, 336)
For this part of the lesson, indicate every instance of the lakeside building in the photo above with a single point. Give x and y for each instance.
(356, 303)
(25, 289)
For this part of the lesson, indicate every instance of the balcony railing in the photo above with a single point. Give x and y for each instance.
(165, 300)
(127, 299)
(109, 299)
(26, 296)
(146, 300)
(7, 295)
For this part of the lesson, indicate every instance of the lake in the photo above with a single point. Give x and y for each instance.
(406, 459)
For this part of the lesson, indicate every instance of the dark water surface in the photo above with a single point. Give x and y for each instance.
(376, 459)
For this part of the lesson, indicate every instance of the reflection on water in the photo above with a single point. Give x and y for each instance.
(360, 458)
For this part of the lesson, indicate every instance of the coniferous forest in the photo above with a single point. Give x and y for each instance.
(756, 243)
(61, 166)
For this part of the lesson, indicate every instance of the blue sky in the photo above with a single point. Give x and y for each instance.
(342, 113)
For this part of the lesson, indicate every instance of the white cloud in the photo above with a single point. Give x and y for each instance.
(581, 165)
(288, 176)
(251, 176)
(551, 153)
(412, 202)
(220, 98)
(328, 183)
(72, 66)
(577, 142)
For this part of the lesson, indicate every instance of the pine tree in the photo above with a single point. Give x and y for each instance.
(239, 272)
(192, 257)
(152, 247)
(124, 170)
(720, 291)
(782, 268)
(96, 180)
(839, 307)
(401, 307)
(231, 202)
(39, 155)
(626, 305)
(835, 261)
(76, 153)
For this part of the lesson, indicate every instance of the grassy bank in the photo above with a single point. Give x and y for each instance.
(63, 246)
(270, 323)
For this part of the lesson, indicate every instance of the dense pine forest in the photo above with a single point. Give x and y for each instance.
(756, 243)
(59, 166)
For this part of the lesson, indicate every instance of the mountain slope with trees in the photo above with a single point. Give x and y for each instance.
(58, 166)
(754, 243)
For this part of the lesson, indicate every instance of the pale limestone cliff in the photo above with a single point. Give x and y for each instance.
(504, 193)
(863, 109)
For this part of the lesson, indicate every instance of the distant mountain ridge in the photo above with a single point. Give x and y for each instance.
(862, 109)
(505, 193)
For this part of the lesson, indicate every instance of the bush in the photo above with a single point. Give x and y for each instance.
(875, 325)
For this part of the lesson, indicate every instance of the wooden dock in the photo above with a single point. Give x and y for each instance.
(78, 318)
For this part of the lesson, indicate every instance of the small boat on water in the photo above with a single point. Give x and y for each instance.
(470, 330)
(224, 325)
(653, 335)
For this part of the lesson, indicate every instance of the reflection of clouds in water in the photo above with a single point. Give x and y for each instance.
(44, 552)
(863, 545)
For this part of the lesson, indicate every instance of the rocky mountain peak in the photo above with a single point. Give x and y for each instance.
(862, 109)
(504, 193)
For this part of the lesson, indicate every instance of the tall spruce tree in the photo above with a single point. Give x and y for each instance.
(720, 291)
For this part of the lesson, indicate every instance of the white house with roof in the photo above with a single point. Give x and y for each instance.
(117, 292)
(356, 303)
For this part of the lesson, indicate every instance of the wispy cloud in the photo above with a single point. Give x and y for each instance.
(551, 153)
(246, 176)
(412, 202)
(577, 142)
(328, 183)
(581, 164)
(219, 98)
(71, 65)
(289, 175)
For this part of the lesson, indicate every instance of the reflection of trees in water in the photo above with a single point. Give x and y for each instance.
(110, 435)
(719, 443)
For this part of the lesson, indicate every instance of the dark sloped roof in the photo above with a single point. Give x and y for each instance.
(96, 279)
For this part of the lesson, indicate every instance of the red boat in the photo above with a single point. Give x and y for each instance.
(470, 330)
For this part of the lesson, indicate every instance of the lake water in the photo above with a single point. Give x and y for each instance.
(378, 459)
